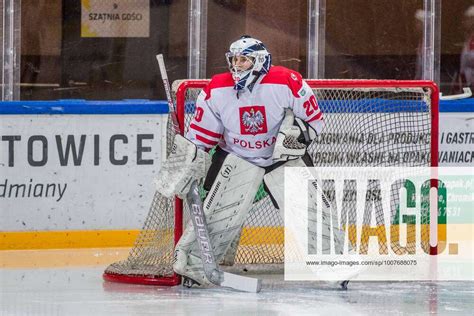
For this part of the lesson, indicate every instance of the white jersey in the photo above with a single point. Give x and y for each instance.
(247, 125)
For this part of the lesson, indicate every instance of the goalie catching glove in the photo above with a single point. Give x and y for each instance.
(287, 146)
(185, 163)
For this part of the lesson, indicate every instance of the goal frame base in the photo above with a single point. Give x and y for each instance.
(144, 280)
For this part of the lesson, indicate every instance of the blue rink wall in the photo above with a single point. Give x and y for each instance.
(142, 106)
(76, 173)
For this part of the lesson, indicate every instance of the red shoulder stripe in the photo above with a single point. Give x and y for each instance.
(219, 81)
(205, 131)
(284, 76)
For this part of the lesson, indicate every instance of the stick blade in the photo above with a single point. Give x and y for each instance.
(241, 283)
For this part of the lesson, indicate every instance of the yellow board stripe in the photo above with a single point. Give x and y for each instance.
(262, 235)
(67, 239)
(56, 258)
(126, 238)
(111, 238)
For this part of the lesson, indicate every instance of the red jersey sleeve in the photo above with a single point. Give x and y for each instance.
(305, 106)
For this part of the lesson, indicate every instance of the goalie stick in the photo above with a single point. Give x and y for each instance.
(211, 270)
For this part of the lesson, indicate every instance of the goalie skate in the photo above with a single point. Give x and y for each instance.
(189, 283)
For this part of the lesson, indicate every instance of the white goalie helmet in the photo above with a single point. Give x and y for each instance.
(255, 53)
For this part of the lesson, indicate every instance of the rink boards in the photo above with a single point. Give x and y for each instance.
(80, 173)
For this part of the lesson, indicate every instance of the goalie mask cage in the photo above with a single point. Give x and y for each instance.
(363, 120)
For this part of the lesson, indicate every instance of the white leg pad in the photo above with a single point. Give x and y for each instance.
(229, 257)
(274, 181)
(226, 208)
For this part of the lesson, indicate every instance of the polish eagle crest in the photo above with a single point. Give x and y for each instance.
(253, 121)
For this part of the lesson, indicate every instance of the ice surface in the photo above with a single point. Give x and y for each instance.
(80, 290)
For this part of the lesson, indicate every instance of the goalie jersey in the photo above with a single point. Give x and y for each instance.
(247, 124)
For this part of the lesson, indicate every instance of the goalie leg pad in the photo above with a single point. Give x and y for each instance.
(274, 182)
(182, 249)
(226, 207)
(229, 257)
(185, 164)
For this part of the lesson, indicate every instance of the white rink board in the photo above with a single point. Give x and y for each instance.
(456, 139)
(109, 188)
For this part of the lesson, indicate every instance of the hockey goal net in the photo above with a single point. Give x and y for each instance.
(367, 123)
